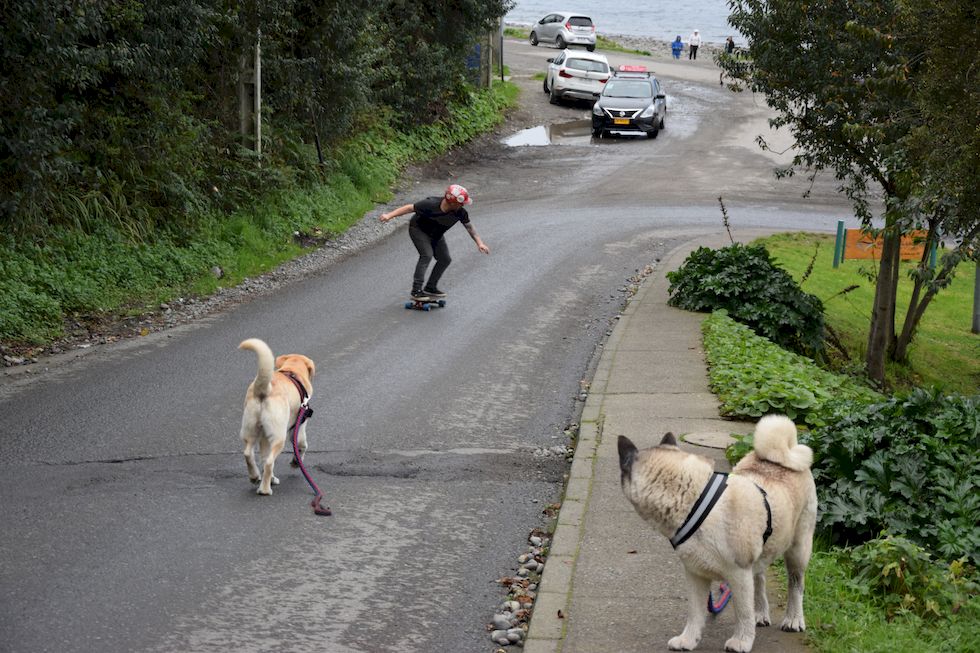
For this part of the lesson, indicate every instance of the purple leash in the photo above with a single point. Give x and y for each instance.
(304, 412)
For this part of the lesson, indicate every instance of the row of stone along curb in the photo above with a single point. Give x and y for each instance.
(535, 591)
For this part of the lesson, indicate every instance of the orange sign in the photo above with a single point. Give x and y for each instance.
(858, 244)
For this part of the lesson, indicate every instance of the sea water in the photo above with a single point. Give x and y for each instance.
(658, 19)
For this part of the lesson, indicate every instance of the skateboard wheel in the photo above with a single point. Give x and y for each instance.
(426, 307)
(442, 302)
(408, 304)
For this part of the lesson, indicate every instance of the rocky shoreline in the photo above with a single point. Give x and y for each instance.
(658, 48)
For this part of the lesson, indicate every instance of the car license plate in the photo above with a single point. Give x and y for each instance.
(621, 121)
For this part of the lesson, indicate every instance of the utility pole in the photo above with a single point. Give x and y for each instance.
(250, 97)
(976, 301)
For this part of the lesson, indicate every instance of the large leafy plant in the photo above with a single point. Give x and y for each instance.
(908, 465)
(743, 280)
(752, 376)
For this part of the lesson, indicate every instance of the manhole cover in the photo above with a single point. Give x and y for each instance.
(712, 439)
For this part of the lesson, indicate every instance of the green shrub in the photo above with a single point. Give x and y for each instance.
(743, 280)
(904, 578)
(909, 465)
(753, 377)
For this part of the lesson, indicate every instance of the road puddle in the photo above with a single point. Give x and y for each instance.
(575, 132)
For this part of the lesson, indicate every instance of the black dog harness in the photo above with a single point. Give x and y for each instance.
(702, 507)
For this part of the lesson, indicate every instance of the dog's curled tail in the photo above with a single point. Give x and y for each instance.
(266, 367)
(775, 441)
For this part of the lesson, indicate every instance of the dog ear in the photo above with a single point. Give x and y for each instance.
(627, 454)
(669, 440)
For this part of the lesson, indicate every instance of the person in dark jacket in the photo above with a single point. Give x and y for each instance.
(434, 216)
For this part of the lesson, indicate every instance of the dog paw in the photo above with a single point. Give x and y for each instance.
(737, 645)
(264, 492)
(255, 480)
(762, 620)
(275, 481)
(793, 624)
(681, 643)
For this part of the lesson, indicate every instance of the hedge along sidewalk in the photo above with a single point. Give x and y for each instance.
(611, 582)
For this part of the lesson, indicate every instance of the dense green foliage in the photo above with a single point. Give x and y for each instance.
(882, 597)
(908, 465)
(753, 377)
(883, 94)
(897, 475)
(744, 281)
(76, 274)
(125, 114)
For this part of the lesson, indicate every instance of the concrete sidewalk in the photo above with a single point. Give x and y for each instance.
(612, 584)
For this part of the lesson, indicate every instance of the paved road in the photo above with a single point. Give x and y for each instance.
(129, 525)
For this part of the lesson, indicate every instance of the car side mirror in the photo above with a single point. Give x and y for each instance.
(551, 60)
(661, 96)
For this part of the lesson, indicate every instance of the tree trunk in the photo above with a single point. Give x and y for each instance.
(881, 336)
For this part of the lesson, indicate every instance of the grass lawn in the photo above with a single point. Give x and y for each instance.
(943, 352)
(841, 618)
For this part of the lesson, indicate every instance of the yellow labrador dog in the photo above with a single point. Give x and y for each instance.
(272, 402)
(730, 527)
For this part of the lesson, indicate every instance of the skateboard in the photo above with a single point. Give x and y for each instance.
(425, 304)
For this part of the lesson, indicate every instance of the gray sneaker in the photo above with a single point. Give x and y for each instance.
(434, 292)
(420, 296)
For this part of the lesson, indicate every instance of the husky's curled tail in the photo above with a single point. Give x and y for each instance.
(775, 441)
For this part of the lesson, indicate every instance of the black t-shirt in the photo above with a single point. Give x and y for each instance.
(431, 219)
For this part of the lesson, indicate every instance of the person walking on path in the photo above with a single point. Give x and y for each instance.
(677, 47)
(434, 216)
(694, 42)
(730, 46)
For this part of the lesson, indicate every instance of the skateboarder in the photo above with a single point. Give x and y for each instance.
(433, 217)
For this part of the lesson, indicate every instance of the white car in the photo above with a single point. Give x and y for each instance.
(562, 29)
(576, 74)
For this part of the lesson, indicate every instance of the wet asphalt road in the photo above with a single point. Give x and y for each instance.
(128, 521)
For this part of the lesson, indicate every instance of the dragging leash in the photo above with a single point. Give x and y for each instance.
(304, 413)
(724, 593)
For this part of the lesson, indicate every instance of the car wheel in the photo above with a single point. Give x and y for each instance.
(590, 48)
(653, 133)
(661, 123)
(533, 38)
(554, 96)
(545, 85)
(560, 43)
(597, 133)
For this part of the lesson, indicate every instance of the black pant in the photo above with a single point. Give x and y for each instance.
(428, 248)
(692, 52)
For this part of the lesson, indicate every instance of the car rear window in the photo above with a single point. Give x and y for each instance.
(588, 65)
(580, 21)
(628, 88)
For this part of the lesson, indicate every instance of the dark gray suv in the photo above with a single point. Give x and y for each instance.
(632, 101)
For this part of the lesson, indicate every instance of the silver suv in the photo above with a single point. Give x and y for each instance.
(563, 29)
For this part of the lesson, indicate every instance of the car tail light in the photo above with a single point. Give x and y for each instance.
(564, 73)
(603, 81)
(568, 26)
